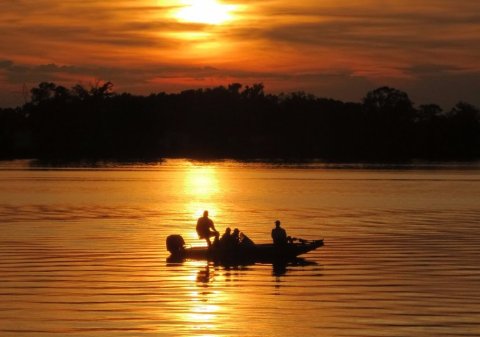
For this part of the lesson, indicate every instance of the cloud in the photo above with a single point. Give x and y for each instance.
(445, 85)
(331, 48)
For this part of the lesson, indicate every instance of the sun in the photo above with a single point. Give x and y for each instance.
(211, 12)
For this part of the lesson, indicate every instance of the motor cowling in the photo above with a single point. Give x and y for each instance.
(175, 244)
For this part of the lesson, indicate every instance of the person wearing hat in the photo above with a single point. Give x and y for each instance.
(279, 235)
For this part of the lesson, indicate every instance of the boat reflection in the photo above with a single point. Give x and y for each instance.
(206, 273)
(280, 268)
(215, 292)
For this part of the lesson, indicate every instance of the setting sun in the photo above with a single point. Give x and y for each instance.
(210, 12)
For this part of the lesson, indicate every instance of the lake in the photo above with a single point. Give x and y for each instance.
(82, 250)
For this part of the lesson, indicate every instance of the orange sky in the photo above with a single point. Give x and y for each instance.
(339, 49)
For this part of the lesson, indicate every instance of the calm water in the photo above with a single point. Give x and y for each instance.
(82, 251)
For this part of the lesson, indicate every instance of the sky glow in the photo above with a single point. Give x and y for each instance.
(431, 49)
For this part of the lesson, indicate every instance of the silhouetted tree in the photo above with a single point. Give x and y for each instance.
(464, 131)
(388, 100)
(234, 122)
(100, 90)
(80, 91)
(44, 92)
(389, 119)
(429, 112)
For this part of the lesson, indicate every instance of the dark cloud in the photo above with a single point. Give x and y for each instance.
(433, 69)
(370, 32)
(445, 86)
(5, 64)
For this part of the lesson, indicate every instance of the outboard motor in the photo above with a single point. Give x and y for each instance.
(175, 244)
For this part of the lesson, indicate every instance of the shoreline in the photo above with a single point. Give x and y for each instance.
(33, 163)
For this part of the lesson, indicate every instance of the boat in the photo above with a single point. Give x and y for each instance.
(264, 252)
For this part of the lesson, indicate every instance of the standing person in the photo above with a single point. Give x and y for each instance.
(279, 235)
(204, 224)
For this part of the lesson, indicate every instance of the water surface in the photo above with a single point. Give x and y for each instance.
(82, 250)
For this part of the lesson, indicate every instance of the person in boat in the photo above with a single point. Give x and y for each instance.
(226, 239)
(245, 240)
(226, 236)
(206, 229)
(279, 235)
(235, 238)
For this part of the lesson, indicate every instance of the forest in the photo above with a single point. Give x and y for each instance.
(234, 122)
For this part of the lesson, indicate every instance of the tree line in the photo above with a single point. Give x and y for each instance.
(234, 121)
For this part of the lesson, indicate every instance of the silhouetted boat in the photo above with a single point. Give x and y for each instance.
(264, 252)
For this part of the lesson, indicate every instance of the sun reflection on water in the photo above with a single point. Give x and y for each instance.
(205, 304)
(201, 181)
(201, 185)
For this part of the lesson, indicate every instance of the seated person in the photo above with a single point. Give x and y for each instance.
(245, 240)
(235, 238)
(226, 238)
(226, 235)
(204, 224)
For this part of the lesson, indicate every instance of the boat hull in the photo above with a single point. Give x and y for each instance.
(247, 254)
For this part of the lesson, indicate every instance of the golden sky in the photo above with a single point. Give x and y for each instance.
(339, 49)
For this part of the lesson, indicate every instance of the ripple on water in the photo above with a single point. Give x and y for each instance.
(401, 262)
